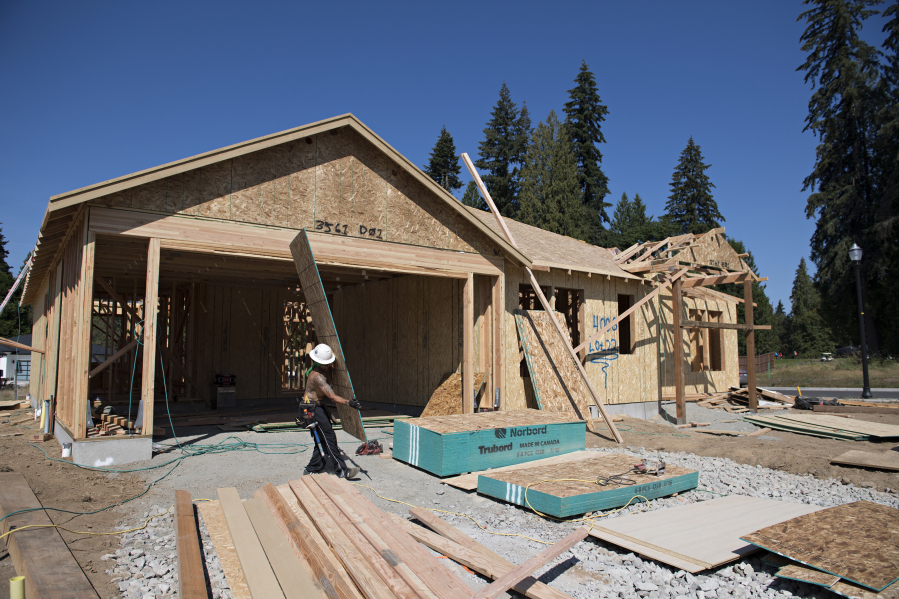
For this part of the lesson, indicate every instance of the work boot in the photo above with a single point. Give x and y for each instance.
(351, 472)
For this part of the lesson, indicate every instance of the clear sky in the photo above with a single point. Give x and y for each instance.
(96, 90)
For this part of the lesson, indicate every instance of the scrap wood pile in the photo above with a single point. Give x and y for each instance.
(736, 401)
(320, 537)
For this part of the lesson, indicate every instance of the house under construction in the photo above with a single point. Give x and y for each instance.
(183, 272)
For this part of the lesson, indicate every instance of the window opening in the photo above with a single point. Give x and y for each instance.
(626, 334)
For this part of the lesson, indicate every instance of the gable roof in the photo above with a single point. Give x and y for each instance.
(557, 251)
(63, 208)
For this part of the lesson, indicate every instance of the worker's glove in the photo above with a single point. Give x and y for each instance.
(355, 404)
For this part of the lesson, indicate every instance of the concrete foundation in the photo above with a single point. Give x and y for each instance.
(643, 410)
(106, 451)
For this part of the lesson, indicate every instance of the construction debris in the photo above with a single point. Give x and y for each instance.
(736, 400)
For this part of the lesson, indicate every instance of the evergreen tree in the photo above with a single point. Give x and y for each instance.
(584, 114)
(443, 166)
(472, 197)
(638, 213)
(809, 335)
(621, 218)
(630, 224)
(14, 320)
(550, 197)
(502, 151)
(843, 111)
(691, 204)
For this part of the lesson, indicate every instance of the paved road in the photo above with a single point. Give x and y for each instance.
(841, 392)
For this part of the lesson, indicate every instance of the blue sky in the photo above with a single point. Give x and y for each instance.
(96, 90)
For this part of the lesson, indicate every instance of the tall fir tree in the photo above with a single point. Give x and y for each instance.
(502, 152)
(621, 217)
(443, 166)
(691, 204)
(14, 320)
(584, 114)
(844, 72)
(550, 197)
(630, 224)
(809, 335)
(472, 197)
(638, 213)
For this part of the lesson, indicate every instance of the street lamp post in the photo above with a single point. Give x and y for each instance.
(855, 254)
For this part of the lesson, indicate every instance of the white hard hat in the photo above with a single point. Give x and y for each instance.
(322, 354)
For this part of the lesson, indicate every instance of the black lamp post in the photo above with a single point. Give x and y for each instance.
(855, 254)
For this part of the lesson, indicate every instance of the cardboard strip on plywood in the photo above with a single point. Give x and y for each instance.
(326, 332)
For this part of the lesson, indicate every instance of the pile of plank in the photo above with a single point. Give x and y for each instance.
(736, 401)
(320, 537)
(825, 425)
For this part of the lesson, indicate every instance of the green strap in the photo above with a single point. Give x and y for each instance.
(308, 372)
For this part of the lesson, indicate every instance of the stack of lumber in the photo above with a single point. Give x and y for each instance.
(851, 550)
(823, 425)
(736, 400)
(320, 537)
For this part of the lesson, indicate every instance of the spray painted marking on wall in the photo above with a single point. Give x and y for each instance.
(603, 351)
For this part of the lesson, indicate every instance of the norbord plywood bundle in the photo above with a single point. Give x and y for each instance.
(448, 445)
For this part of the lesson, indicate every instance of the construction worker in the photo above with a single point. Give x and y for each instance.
(317, 390)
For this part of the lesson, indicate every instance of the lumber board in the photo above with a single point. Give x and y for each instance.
(295, 582)
(307, 543)
(108, 362)
(563, 490)
(469, 482)
(839, 587)
(777, 422)
(857, 541)
(326, 331)
(447, 398)
(872, 429)
(358, 558)
(888, 460)
(191, 571)
(400, 579)
(458, 546)
(698, 536)
(214, 519)
(33, 549)
(508, 580)
(855, 410)
(17, 345)
(148, 333)
(439, 579)
(261, 579)
(870, 404)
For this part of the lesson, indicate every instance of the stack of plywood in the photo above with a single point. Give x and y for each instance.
(320, 537)
(823, 425)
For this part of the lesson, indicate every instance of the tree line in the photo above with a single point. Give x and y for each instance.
(550, 176)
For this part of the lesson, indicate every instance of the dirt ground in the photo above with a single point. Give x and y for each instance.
(71, 488)
(778, 450)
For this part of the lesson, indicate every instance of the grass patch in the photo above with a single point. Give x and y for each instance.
(843, 372)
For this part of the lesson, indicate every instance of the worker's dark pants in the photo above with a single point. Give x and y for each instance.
(328, 440)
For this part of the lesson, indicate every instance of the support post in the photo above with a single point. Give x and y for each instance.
(151, 301)
(750, 346)
(498, 388)
(679, 391)
(82, 345)
(467, 362)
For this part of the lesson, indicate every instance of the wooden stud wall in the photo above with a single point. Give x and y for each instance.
(39, 341)
(401, 337)
(70, 319)
(317, 183)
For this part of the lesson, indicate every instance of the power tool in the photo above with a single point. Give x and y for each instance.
(306, 419)
(656, 467)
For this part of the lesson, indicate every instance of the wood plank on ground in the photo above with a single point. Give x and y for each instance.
(855, 410)
(469, 482)
(698, 536)
(509, 579)
(455, 544)
(39, 554)
(261, 579)
(214, 519)
(888, 460)
(856, 541)
(872, 429)
(295, 582)
(191, 571)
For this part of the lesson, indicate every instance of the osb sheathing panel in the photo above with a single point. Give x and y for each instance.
(706, 381)
(401, 337)
(617, 378)
(333, 182)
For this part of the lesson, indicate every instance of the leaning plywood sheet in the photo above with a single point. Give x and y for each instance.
(557, 384)
(563, 490)
(840, 587)
(698, 536)
(888, 460)
(872, 429)
(469, 482)
(447, 399)
(856, 541)
(214, 519)
(448, 445)
(325, 331)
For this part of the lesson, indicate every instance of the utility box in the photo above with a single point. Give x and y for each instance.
(224, 391)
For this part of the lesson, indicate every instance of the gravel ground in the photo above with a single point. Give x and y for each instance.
(591, 569)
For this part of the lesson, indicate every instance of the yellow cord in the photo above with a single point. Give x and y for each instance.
(586, 518)
(96, 534)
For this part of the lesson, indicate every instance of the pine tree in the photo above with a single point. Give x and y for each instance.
(638, 213)
(691, 204)
(14, 320)
(443, 166)
(621, 218)
(502, 151)
(630, 224)
(809, 335)
(843, 111)
(550, 197)
(584, 114)
(472, 197)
